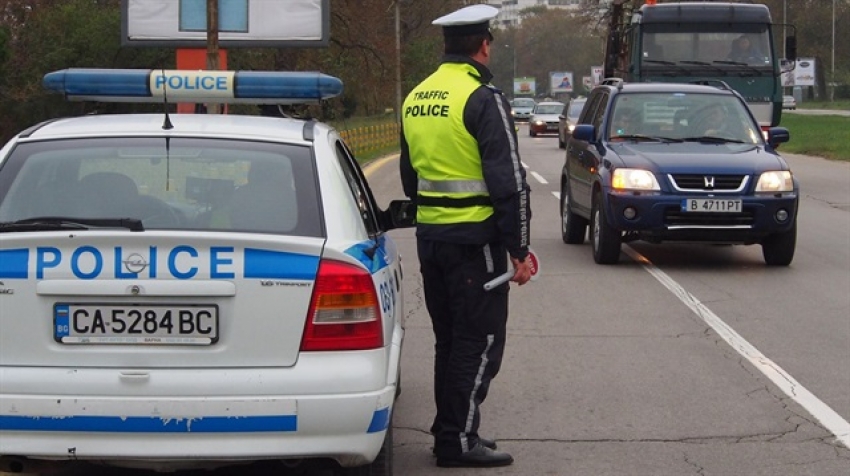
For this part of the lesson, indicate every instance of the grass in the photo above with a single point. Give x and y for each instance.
(837, 104)
(822, 136)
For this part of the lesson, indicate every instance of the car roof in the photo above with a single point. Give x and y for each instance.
(659, 87)
(550, 103)
(197, 125)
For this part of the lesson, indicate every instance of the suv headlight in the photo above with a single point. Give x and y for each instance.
(634, 179)
(775, 181)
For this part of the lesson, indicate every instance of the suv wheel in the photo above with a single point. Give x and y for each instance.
(604, 240)
(573, 227)
(778, 250)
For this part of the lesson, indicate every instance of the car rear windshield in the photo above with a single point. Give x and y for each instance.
(175, 183)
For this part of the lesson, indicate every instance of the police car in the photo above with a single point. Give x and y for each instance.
(188, 290)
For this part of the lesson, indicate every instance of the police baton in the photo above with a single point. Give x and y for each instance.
(533, 263)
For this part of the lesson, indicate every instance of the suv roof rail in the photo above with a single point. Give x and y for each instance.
(717, 83)
(613, 82)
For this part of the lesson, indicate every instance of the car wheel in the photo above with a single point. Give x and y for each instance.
(778, 249)
(573, 227)
(531, 132)
(383, 464)
(604, 240)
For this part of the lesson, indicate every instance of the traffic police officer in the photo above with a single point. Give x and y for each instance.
(460, 164)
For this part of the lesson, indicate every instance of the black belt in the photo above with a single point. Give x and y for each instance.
(448, 202)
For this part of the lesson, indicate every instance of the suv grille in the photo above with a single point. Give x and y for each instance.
(707, 182)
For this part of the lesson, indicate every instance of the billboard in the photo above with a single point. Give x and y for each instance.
(804, 73)
(525, 86)
(241, 23)
(561, 82)
(596, 74)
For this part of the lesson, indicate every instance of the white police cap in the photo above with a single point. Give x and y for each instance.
(471, 20)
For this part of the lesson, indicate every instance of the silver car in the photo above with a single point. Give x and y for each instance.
(568, 119)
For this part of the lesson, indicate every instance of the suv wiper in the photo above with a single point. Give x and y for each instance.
(646, 137)
(68, 223)
(713, 139)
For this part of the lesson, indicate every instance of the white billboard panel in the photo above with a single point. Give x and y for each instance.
(242, 23)
(561, 82)
(525, 86)
(804, 73)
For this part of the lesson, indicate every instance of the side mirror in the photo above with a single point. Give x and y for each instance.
(400, 214)
(585, 132)
(777, 135)
(791, 48)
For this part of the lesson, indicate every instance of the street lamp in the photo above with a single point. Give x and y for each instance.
(513, 58)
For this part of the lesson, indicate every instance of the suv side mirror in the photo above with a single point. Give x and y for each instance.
(400, 214)
(585, 132)
(777, 135)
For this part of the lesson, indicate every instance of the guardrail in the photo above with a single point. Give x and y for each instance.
(371, 139)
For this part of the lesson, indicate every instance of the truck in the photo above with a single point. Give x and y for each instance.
(701, 42)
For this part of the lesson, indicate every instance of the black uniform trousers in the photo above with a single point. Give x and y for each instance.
(469, 326)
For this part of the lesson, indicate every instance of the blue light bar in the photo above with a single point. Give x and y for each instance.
(230, 87)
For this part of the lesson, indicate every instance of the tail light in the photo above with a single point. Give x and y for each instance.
(344, 312)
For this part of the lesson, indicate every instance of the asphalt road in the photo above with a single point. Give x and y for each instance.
(680, 360)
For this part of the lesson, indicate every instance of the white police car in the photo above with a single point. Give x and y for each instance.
(190, 290)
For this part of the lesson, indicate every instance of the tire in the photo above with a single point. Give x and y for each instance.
(383, 464)
(604, 240)
(531, 133)
(573, 227)
(778, 250)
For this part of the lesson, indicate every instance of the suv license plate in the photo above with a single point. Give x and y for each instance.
(711, 205)
(143, 324)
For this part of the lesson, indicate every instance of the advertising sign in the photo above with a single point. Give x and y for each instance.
(561, 82)
(596, 74)
(804, 74)
(587, 82)
(525, 86)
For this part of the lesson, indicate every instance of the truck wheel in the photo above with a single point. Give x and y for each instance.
(778, 250)
(573, 227)
(604, 240)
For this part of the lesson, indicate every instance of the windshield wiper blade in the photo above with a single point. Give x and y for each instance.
(750, 68)
(646, 137)
(70, 223)
(713, 139)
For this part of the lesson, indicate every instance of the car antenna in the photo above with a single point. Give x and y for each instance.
(167, 125)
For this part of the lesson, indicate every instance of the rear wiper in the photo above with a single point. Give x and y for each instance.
(70, 223)
(646, 137)
(713, 139)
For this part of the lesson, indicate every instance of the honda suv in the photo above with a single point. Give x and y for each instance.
(663, 162)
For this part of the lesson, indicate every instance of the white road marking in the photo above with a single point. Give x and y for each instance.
(557, 195)
(833, 422)
(538, 177)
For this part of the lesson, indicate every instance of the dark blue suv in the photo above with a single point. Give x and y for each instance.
(664, 162)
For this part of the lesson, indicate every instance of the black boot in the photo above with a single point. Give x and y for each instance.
(478, 457)
(481, 441)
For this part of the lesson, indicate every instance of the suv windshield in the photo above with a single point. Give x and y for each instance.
(178, 183)
(681, 116)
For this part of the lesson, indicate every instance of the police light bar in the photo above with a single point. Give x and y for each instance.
(231, 87)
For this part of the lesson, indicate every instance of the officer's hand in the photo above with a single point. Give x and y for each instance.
(522, 271)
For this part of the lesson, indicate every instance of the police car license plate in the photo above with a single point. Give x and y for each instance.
(711, 205)
(148, 324)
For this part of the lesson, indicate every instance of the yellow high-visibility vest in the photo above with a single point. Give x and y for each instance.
(443, 153)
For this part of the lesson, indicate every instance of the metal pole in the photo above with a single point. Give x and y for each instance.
(832, 79)
(398, 63)
(212, 45)
(784, 26)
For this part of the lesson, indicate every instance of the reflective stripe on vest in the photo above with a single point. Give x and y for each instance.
(443, 153)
